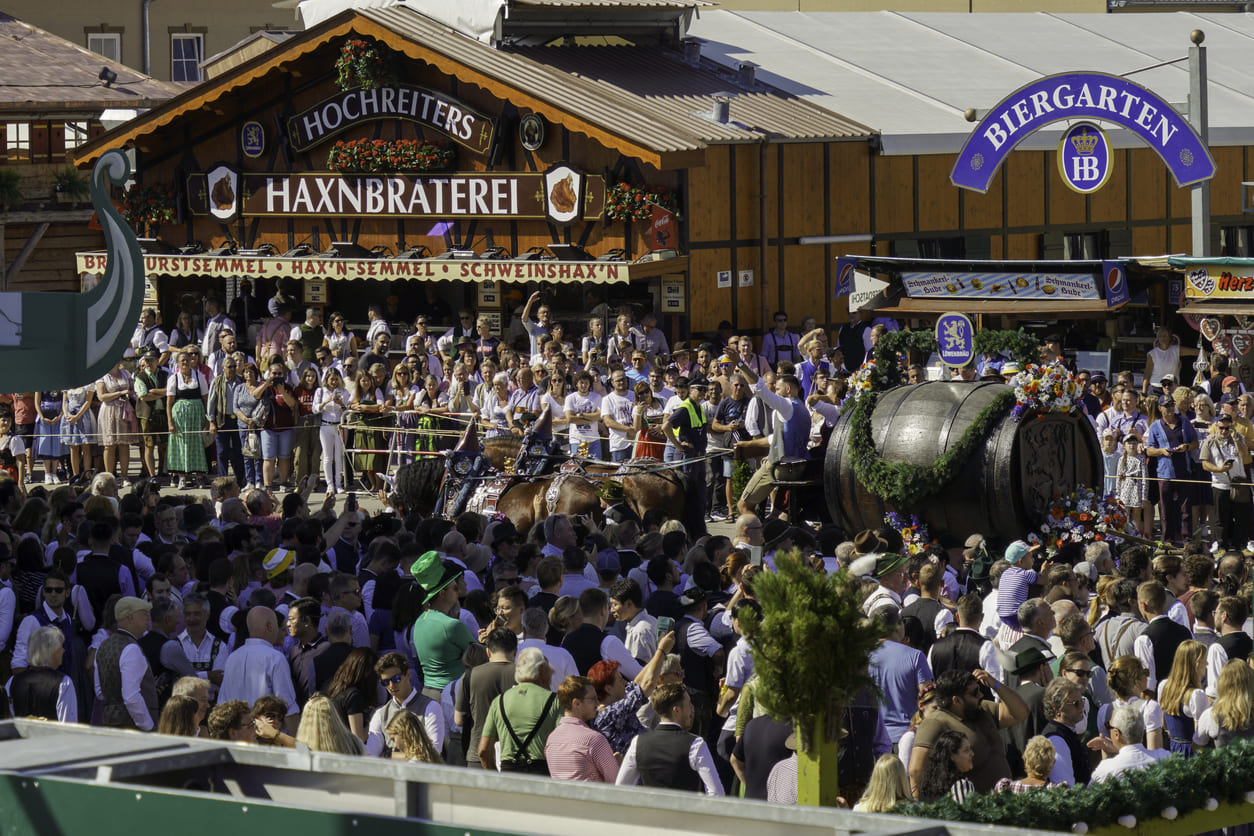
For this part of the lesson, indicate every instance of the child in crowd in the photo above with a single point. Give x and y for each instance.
(1131, 485)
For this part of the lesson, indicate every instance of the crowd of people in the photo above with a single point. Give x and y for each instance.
(606, 649)
(609, 654)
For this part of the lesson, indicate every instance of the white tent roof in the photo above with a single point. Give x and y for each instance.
(911, 76)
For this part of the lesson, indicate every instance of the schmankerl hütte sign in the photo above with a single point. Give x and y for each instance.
(1082, 96)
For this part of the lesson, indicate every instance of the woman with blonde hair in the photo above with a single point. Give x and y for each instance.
(1182, 698)
(1099, 604)
(323, 730)
(888, 787)
(1127, 678)
(1231, 715)
(410, 741)
(1038, 759)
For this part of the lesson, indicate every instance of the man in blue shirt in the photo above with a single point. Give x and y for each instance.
(899, 670)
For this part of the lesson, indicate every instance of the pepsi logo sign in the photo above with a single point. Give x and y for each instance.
(1114, 280)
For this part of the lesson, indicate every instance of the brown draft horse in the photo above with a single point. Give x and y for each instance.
(525, 502)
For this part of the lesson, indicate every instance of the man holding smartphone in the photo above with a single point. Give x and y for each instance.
(1222, 454)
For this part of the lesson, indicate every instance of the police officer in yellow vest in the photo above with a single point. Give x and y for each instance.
(687, 428)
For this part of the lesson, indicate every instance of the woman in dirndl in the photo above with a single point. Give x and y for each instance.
(48, 447)
(118, 426)
(185, 395)
(78, 428)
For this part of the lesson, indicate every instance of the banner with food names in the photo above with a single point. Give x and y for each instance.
(962, 285)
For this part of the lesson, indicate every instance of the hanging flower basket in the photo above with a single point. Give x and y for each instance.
(364, 64)
(635, 202)
(146, 207)
(382, 155)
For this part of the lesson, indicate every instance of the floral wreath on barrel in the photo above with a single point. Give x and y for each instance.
(902, 484)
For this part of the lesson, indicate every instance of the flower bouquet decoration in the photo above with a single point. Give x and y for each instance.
(635, 202)
(914, 534)
(1045, 389)
(1082, 516)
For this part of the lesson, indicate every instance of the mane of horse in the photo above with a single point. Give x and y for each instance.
(418, 484)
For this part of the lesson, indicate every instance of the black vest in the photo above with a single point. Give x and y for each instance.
(347, 556)
(217, 605)
(98, 576)
(1238, 645)
(1165, 636)
(584, 644)
(385, 586)
(662, 759)
(960, 650)
(1081, 766)
(698, 673)
(151, 643)
(34, 693)
(66, 625)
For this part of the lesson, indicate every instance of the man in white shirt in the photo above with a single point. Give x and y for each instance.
(640, 628)
(1123, 751)
(215, 323)
(257, 668)
(123, 680)
(616, 411)
(206, 652)
(535, 624)
(393, 671)
(670, 756)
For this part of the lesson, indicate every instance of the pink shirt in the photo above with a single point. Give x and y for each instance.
(576, 752)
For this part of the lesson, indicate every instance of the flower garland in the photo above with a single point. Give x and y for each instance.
(1045, 389)
(1082, 516)
(382, 155)
(1168, 789)
(145, 207)
(635, 202)
(913, 531)
(901, 484)
(363, 64)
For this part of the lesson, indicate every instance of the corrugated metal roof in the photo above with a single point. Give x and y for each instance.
(911, 76)
(40, 69)
(618, 4)
(645, 95)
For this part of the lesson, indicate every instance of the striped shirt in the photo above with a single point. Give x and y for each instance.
(575, 752)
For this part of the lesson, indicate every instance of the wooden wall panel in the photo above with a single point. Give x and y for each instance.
(748, 299)
(1181, 199)
(1225, 186)
(850, 188)
(745, 198)
(1065, 206)
(707, 303)
(803, 189)
(894, 195)
(1024, 245)
(1025, 203)
(1149, 183)
(1109, 203)
(709, 200)
(938, 198)
(1181, 240)
(805, 282)
(996, 248)
(982, 211)
(1149, 240)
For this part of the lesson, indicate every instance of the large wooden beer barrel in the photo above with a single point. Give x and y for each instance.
(1005, 489)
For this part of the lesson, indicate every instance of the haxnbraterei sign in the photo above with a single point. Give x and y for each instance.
(1075, 97)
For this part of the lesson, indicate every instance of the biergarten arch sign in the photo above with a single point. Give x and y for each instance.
(1077, 96)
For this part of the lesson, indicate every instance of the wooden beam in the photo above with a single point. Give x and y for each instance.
(39, 216)
(31, 243)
